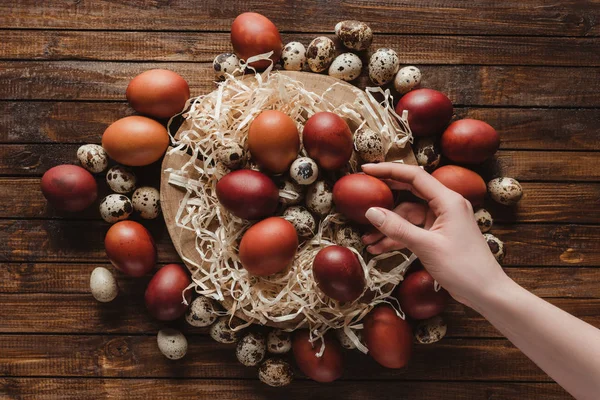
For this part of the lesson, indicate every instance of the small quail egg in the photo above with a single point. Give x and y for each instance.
(279, 342)
(304, 171)
(121, 179)
(383, 65)
(320, 53)
(407, 79)
(427, 153)
(319, 198)
(369, 145)
(354, 35)
(146, 201)
(222, 330)
(231, 154)
(202, 312)
(293, 56)
(484, 220)
(507, 191)
(496, 246)
(251, 349)
(220, 170)
(225, 63)
(430, 330)
(275, 372)
(345, 341)
(346, 66)
(290, 193)
(172, 343)
(349, 236)
(115, 207)
(302, 220)
(92, 157)
(103, 285)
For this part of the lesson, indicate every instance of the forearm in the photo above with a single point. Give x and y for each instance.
(565, 347)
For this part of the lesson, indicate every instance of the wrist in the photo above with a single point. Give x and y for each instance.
(497, 287)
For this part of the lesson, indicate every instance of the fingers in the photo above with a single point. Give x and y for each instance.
(415, 213)
(397, 228)
(384, 245)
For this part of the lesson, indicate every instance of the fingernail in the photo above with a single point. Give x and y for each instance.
(376, 216)
(367, 165)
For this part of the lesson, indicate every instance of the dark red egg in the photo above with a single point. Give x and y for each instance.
(326, 368)
(388, 337)
(418, 298)
(338, 273)
(69, 188)
(164, 294)
(463, 181)
(328, 140)
(354, 194)
(253, 34)
(130, 248)
(429, 111)
(469, 141)
(248, 194)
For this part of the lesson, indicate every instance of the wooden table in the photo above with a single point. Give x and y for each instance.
(529, 67)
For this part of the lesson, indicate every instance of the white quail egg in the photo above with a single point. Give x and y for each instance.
(304, 171)
(115, 207)
(279, 341)
(484, 220)
(290, 193)
(507, 191)
(349, 236)
(225, 63)
(346, 66)
(231, 154)
(146, 201)
(320, 54)
(345, 340)
(430, 330)
(383, 65)
(202, 312)
(92, 157)
(354, 35)
(407, 79)
(251, 349)
(302, 220)
(275, 372)
(293, 56)
(121, 179)
(496, 246)
(369, 145)
(103, 285)
(172, 343)
(319, 198)
(222, 330)
(427, 153)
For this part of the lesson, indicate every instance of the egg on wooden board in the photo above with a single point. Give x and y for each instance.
(429, 111)
(328, 140)
(103, 285)
(165, 292)
(463, 181)
(328, 367)
(275, 372)
(388, 337)
(355, 35)
(431, 330)
(469, 141)
(159, 93)
(504, 190)
(69, 188)
(354, 194)
(172, 343)
(92, 157)
(248, 194)
(130, 248)
(320, 53)
(253, 34)
(338, 273)
(418, 298)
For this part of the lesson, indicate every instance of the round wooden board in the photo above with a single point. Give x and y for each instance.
(171, 196)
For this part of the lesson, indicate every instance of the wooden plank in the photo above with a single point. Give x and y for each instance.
(139, 389)
(185, 46)
(465, 85)
(513, 17)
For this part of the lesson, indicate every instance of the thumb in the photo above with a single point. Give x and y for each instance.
(395, 227)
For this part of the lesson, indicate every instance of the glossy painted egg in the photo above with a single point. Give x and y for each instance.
(253, 34)
(328, 140)
(273, 141)
(418, 298)
(429, 111)
(463, 181)
(469, 141)
(135, 141)
(268, 247)
(159, 93)
(164, 294)
(338, 273)
(354, 194)
(248, 194)
(328, 367)
(69, 188)
(388, 337)
(130, 248)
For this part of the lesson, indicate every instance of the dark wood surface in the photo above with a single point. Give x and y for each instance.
(530, 68)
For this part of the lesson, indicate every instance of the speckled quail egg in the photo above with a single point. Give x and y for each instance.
(320, 54)
(222, 330)
(349, 236)
(293, 56)
(369, 145)
(319, 198)
(146, 201)
(304, 171)
(172, 343)
(484, 220)
(290, 193)
(275, 372)
(92, 157)
(202, 312)
(427, 153)
(354, 35)
(507, 191)
(231, 154)
(345, 340)
(220, 170)
(115, 207)
(430, 330)
(407, 79)
(346, 66)
(279, 341)
(302, 220)
(251, 349)
(496, 246)
(121, 179)
(383, 66)
(103, 285)
(225, 63)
